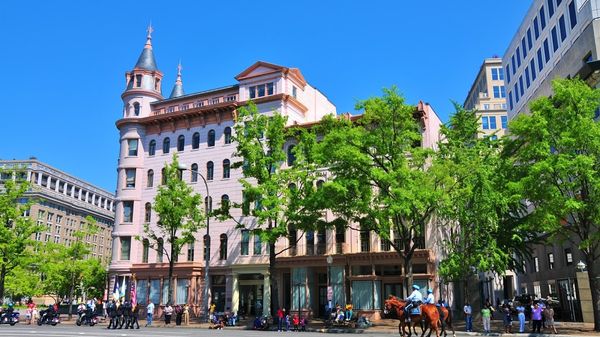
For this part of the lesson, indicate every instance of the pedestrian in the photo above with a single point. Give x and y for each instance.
(536, 317)
(134, 316)
(288, 322)
(280, 313)
(486, 315)
(296, 322)
(303, 322)
(178, 314)
(186, 314)
(211, 312)
(506, 318)
(150, 313)
(549, 316)
(521, 316)
(168, 313)
(468, 311)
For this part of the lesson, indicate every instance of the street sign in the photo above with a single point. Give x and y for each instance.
(329, 293)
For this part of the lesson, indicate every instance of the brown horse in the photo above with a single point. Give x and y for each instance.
(429, 315)
(447, 321)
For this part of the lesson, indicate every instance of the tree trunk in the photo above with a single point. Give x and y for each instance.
(408, 280)
(594, 279)
(2, 279)
(171, 266)
(274, 287)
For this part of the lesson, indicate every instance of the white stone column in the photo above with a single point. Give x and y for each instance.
(235, 293)
(56, 187)
(267, 295)
(39, 178)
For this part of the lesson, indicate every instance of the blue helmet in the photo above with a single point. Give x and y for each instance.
(429, 291)
(416, 287)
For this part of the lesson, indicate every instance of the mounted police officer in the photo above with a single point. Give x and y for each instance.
(415, 299)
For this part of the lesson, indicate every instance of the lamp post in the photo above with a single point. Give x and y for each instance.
(207, 209)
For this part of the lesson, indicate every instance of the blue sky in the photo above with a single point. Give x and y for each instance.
(64, 62)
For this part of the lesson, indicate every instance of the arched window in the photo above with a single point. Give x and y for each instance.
(291, 157)
(225, 202)
(210, 170)
(148, 212)
(136, 109)
(211, 138)
(180, 143)
(320, 183)
(160, 250)
(227, 133)
(194, 172)
(166, 145)
(152, 148)
(150, 179)
(226, 169)
(163, 176)
(146, 248)
(196, 140)
(223, 247)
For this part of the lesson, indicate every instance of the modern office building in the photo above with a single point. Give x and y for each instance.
(556, 39)
(63, 202)
(198, 127)
(487, 97)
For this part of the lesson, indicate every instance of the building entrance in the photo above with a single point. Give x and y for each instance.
(251, 294)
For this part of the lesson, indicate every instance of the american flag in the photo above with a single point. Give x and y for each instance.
(133, 292)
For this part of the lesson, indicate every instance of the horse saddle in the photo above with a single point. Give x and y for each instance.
(415, 311)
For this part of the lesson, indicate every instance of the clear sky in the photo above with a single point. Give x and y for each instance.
(64, 62)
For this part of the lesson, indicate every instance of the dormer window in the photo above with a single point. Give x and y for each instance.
(138, 81)
(261, 90)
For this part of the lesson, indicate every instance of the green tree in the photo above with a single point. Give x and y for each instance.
(282, 195)
(16, 230)
(481, 220)
(179, 218)
(383, 179)
(555, 151)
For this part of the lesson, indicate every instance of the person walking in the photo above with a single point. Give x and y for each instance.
(468, 311)
(280, 314)
(186, 314)
(521, 316)
(486, 316)
(168, 313)
(506, 318)
(150, 313)
(549, 317)
(536, 317)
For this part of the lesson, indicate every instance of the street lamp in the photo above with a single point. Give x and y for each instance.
(207, 208)
(581, 266)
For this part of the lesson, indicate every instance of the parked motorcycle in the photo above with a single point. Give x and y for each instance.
(48, 316)
(86, 317)
(9, 317)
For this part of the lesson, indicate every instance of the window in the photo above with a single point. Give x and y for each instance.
(125, 247)
(291, 157)
(227, 134)
(226, 169)
(550, 8)
(225, 202)
(160, 249)
(245, 205)
(532, 68)
(536, 264)
(546, 51)
(495, 74)
(294, 92)
(145, 250)
(493, 122)
(542, 18)
(536, 29)
(130, 178)
(499, 92)
(501, 74)
(518, 57)
(261, 90)
(527, 82)
(147, 212)
(514, 65)
(210, 170)
(568, 254)
(157, 88)
(521, 85)
(257, 245)
(152, 148)
(365, 240)
(563, 28)
(523, 48)
(132, 147)
(136, 109)
(485, 123)
(190, 250)
(245, 242)
(194, 173)
(517, 92)
(558, 2)
(540, 60)
(554, 39)
(138, 80)
(572, 14)
(211, 138)
(529, 43)
(196, 140)
(166, 145)
(550, 261)
(510, 100)
(504, 120)
(223, 247)
(180, 143)
(127, 211)
(502, 91)
(508, 73)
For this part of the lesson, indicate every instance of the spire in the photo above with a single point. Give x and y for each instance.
(178, 87)
(146, 60)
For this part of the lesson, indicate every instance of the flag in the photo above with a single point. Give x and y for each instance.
(116, 292)
(133, 292)
(123, 287)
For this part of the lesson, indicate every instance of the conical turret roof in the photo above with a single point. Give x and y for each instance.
(146, 60)
(178, 87)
